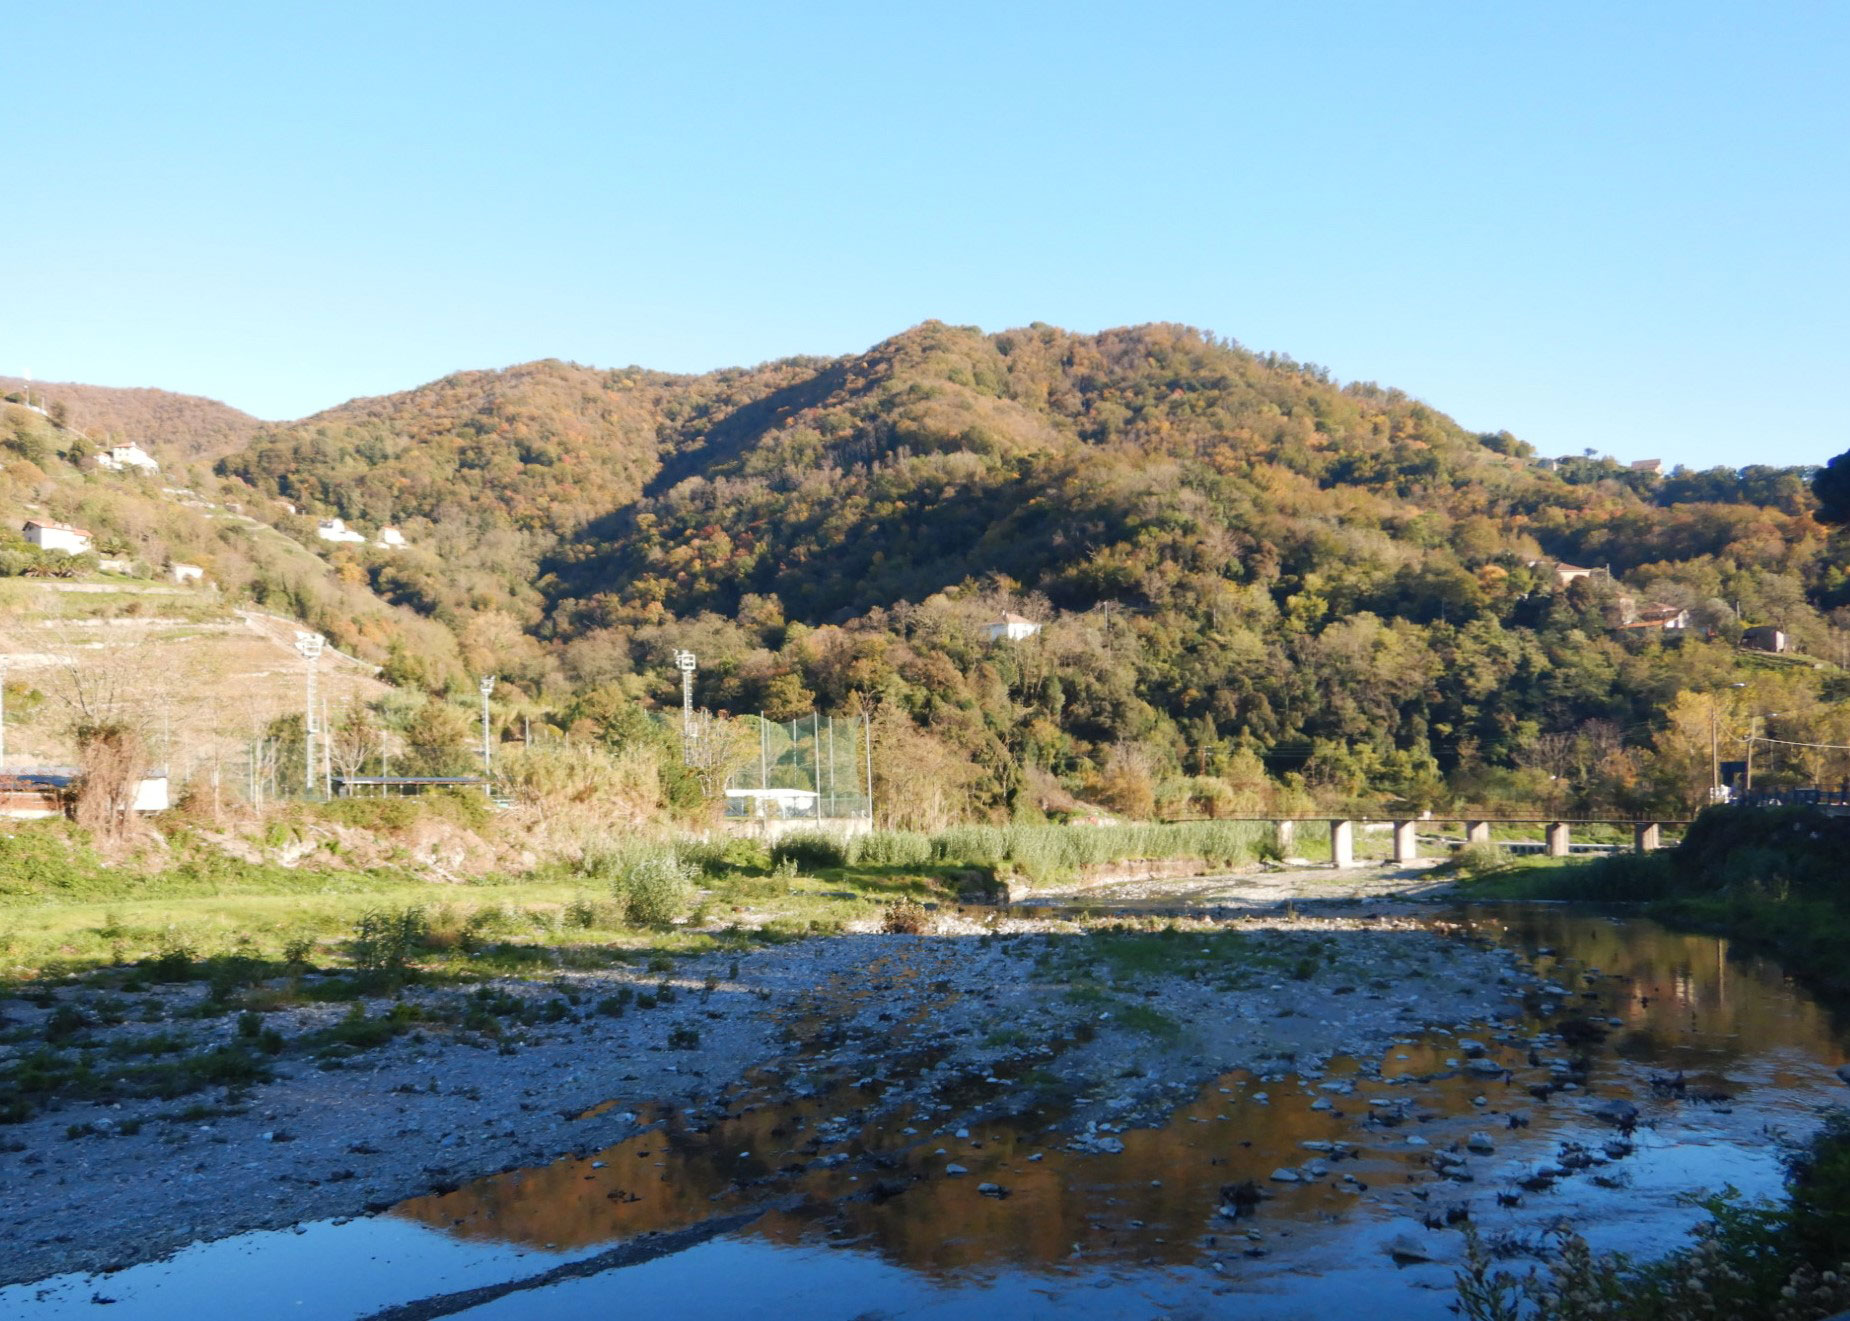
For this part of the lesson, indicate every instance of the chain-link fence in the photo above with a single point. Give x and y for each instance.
(814, 768)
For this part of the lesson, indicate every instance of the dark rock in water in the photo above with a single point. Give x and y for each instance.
(1243, 1196)
(1843, 1073)
(1621, 1114)
(1581, 1031)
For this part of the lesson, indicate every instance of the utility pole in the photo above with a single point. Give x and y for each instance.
(487, 685)
(308, 646)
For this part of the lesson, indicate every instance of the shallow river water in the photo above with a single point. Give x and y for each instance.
(1738, 1056)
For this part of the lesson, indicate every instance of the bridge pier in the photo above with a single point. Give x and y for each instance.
(1558, 839)
(1646, 838)
(1342, 843)
(1284, 834)
(1477, 832)
(1406, 841)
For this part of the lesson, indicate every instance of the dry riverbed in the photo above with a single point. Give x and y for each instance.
(1109, 1026)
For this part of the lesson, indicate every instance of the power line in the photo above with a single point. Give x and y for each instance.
(1786, 742)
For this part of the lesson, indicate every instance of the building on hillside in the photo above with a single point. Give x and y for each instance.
(1564, 572)
(390, 538)
(1651, 467)
(1011, 628)
(186, 573)
(120, 458)
(1766, 638)
(288, 505)
(332, 529)
(57, 536)
(111, 565)
(1662, 618)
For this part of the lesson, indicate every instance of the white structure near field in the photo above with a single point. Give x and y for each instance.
(121, 458)
(390, 538)
(333, 529)
(1011, 628)
(57, 536)
(186, 573)
(32, 795)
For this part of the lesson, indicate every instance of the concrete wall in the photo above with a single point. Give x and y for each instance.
(772, 829)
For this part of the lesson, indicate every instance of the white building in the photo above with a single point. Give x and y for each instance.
(332, 529)
(392, 539)
(1011, 628)
(57, 536)
(120, 458)
(186, 573)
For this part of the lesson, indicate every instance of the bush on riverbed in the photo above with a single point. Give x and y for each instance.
(655, 889)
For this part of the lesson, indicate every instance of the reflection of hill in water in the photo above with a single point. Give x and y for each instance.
(1686, 1005)
(1669, 982)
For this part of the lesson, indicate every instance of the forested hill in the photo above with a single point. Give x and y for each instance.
(178, 426)
(1232, 552)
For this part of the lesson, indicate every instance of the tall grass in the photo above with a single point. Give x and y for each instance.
(1043, 853)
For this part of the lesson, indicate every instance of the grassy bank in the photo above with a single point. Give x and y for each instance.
(66, 908)
(1777, 879)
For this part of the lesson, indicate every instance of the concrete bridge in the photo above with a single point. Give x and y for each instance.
(1557, 832)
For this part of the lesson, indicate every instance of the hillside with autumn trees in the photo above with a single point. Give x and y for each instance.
(1254, 580)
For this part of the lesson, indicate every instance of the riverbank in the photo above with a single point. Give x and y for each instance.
(1773, 879)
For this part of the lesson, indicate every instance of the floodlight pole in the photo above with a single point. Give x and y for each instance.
(486, 684)
(308, 646)
(684, 661)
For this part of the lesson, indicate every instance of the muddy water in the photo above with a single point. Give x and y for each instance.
(872, 1221)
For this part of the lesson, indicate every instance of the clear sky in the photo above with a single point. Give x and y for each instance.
(1612, 226)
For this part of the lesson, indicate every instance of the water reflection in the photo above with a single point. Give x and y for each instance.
(1735, 1028)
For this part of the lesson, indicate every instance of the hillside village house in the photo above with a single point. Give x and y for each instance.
(186, 573)
(120, 458)
(1654, 467)
(1664, 618)
(392, 539)
(1011, 628)
(57, 536)
(332, 529)
(1766, 638)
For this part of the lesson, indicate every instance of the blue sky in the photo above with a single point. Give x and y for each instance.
(1617, 227)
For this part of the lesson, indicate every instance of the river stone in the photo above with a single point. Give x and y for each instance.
(1409, 1248)
(1843, 1073)
(1480, 1143)
(1484, 1068)
(1616, 1112)
(954, 1170)
(1286, 1176)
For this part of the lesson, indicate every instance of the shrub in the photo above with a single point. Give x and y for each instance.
(384, 941)
(906, 917)
(655, 889)
(1481, 859)
(810, 851)
(891, 848)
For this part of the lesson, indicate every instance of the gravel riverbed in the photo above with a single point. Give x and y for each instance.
(973, 1018)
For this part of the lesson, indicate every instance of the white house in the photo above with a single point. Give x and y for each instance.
(57, 536)
(332, 529)
(186, 573)
(1012, 628)
(392, 539)
(119, 458)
